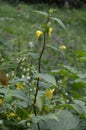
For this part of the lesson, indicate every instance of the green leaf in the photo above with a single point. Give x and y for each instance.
(83, 58)
(6, 18)
(59, 21)
(79, 106)
(22, 122)
(80, 82)
(52, 47)
(4, 90)
(51, 116)
(39, 102)
(71, 69)
(20, 94)
(47, 77)
(55, 71)
(41, 12)
(66, 121)
(33, 55)
(22, 104)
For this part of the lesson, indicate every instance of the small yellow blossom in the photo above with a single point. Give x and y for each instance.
(38, 33)
(11, 114)
(46, 108)
(1, 101)
(19, 86)
(50, 31)
(49, 93)
(63, 47)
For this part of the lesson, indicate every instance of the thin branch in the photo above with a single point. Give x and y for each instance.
(37, 86)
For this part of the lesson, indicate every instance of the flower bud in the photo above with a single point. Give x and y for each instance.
(38, 33)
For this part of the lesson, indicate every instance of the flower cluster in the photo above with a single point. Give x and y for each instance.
(49, 93)
(19, 86)
(11, 114)
(63, 47)
(47, 29)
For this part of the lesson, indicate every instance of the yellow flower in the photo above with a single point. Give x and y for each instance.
(19, 86)
(63, 47)
(38, 33)
(49, 93)
(50, 31)
(1, 101)
(11, 114)
(46, 108)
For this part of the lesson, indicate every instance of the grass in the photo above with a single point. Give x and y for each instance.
(17, 27)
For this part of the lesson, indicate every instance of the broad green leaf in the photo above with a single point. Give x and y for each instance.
(79, 106)
(79, 82)
(51, 116)
(66, 121)
(4, 90)
(59, 21)
(55, 71)
(22, 122)
(22, 104)
(33, 55)
(20, 95)
(47, 77)
(53, 47)
(41, 12)
(8, 96)
(82, 76)
(39, 102)
(71, 69)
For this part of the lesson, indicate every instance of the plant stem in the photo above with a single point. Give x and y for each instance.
(37, 85)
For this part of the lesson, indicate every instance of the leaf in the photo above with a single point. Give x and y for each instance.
(4, 90)
(39, 102)
(55, 71)
(20, 94)
(22, 122)
(6, 18)
(71, 69)
(41, 12)
(33, 55)
(79, 106)
(66, 121)
(83, 58)
(59, 21)
(22, 104)
(80, 82)
(52, 47)
(51, 116)
(48, 78)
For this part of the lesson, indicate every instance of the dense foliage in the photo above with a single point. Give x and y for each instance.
(60, 3)
(42, 68)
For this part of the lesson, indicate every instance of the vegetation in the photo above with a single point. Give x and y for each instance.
(42, 68)
(60, 3)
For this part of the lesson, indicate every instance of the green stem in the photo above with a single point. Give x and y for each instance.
(37, 86)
